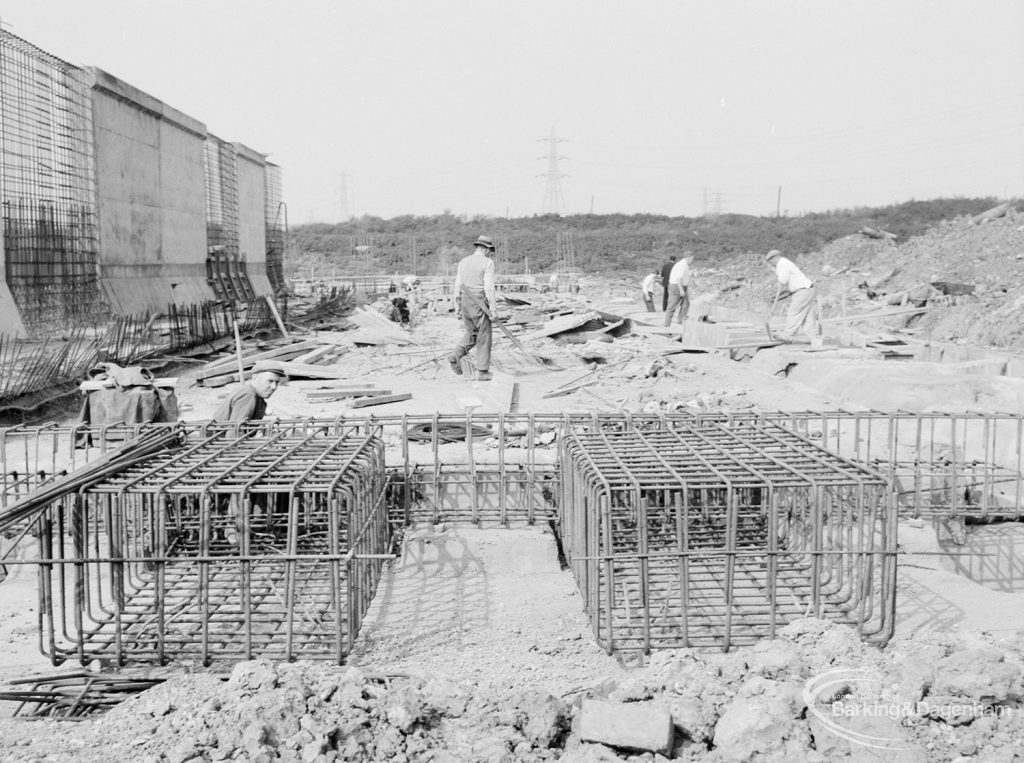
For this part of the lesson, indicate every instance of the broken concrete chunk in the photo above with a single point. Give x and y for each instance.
(760, 719)
(632, 726)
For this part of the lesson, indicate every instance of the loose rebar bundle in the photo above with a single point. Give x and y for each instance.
(700, 534)
(232, 546)
(73, 696)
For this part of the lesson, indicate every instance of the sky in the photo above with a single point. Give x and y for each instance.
(674, 107)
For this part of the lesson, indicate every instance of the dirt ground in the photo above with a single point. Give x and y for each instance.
(493, 609)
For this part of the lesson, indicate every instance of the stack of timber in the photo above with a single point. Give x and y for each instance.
(307, 359)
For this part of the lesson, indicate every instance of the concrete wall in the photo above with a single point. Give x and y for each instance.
(151, 199)
(252, 224)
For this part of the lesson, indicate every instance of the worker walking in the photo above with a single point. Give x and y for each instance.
(802, 314)
(249, 401)
(666, 271)
(679, 289)
(475, 303)
(647, 290)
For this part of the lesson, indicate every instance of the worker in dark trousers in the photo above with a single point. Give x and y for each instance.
(666, 271)
(475, 301)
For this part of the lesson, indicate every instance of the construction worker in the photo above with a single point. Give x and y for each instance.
(666, 270)
(647, 290)
(802, 314)
(475, 302)
(679, 289)
(249, 401)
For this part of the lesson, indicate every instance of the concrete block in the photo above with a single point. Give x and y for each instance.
(633, 726)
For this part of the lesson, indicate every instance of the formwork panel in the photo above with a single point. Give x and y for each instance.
(704, 535)
(230, 546)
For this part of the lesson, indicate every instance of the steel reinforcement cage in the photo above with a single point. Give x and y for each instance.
(232, 545)
(963, 466)
(968, 465)
(702, 534)
(508, 470)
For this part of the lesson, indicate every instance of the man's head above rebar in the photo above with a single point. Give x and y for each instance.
(266, 378)
(485, 243)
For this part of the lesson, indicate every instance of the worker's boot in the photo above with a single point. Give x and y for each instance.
(484, 376)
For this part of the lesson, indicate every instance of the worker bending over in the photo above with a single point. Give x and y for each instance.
(802, 314)
(679, 289)
(647, 290)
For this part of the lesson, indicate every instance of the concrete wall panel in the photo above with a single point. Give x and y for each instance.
(152, 201)
(152, 209)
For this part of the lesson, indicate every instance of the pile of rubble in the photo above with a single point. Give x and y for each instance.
(969, 271)
(816, 693)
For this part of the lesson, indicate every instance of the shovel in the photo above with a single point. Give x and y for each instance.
(546, 362)
(771, 312)
(768, 320)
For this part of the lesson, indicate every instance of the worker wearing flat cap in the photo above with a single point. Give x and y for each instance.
(802, 314)
(475, 301)
(249, 401)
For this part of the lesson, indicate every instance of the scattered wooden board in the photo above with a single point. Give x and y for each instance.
(320, 353)
(338, 394)
(278, 353)
(305, 371)
(562, 324)
(368, 401)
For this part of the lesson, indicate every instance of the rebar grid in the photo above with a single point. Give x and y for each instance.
(274, 214)
(706, 535)
(944, 465)
(983, 481)
(225, 270)
(235, 545)
(48, 188)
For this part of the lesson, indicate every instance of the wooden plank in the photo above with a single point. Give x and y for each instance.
(277, 315)
(568, 390)
(367, 401)
(337, 394)
(277, 353)
(563, 324)
(876, 314)
(304, 371)
(219, 381)
(319, 353)
(513, 403)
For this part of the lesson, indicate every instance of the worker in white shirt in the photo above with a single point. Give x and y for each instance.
(647, 290)
(802, 314)
(679, 289)
(475, 302)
